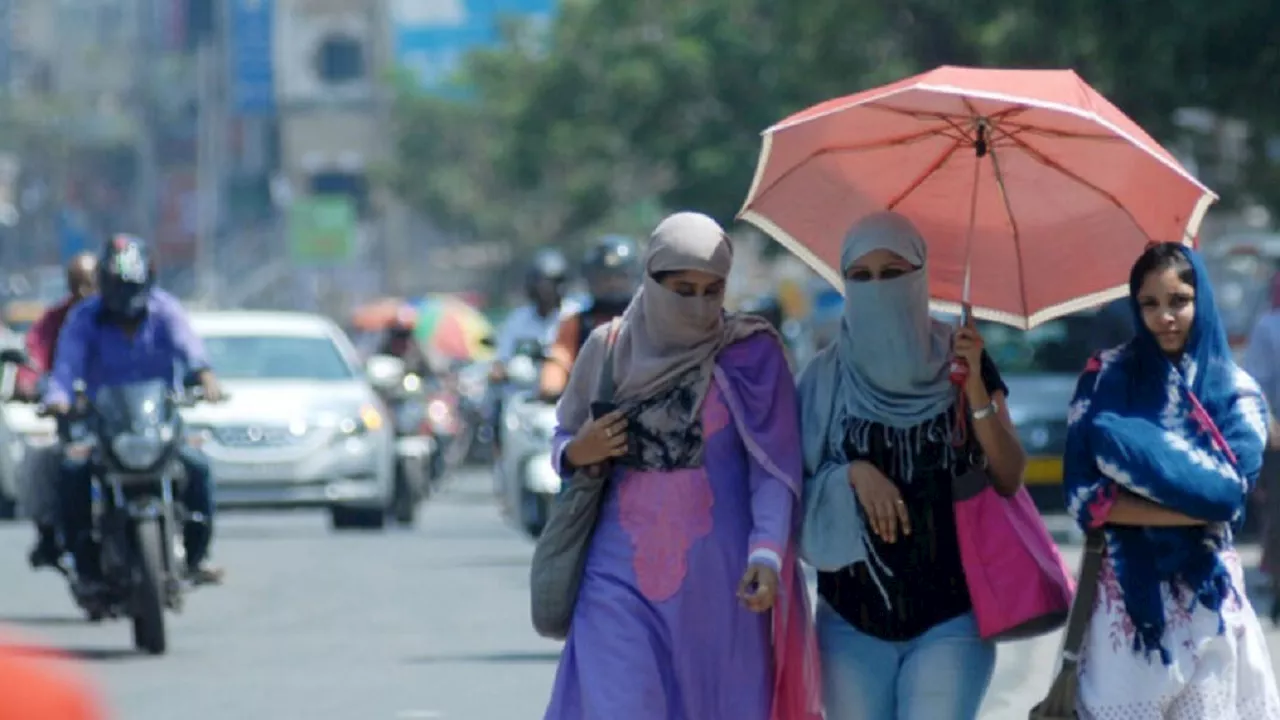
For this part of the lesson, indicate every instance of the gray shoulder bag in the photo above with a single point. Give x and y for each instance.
(1060, 703)
(561, 553)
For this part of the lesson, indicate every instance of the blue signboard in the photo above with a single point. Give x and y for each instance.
(252, 75)
(432, 36)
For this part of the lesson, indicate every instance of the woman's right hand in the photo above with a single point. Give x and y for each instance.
(885, 510)
(598, 440)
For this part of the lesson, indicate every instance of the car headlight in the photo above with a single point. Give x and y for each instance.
(198, 436)
(137, 452)
(368, 419)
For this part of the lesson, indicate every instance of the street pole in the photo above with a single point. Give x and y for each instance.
(146, 199)
(209, 129)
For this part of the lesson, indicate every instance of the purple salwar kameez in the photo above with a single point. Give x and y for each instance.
(658, 632)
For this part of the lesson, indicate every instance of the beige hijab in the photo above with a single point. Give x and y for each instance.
(664, 335)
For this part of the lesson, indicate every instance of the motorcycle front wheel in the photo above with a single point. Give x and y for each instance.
(149, 586)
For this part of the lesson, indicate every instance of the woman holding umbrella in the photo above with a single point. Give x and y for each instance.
(878, 416)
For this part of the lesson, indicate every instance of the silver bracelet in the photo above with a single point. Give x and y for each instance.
(986, 412)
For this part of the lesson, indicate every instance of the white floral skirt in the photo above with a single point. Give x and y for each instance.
(1214, 676)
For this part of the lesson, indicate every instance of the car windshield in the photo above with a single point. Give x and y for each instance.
(264, 357)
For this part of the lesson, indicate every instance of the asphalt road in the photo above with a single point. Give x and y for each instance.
(313, 625)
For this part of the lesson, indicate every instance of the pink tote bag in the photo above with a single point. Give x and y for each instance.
(1018, 583)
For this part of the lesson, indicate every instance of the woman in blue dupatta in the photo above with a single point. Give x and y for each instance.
(1164, 443)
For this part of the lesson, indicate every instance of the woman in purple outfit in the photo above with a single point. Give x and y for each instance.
(692, 605)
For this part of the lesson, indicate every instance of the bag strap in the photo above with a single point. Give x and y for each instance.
(1207, 421)
(1086, 594)
(606, 385)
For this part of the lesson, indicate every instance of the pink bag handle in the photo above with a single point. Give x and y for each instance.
(1206, 422)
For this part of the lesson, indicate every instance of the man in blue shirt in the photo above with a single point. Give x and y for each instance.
(131, 332)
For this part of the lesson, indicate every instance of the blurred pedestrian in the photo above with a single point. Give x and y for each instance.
(1262, 361)
(1165, 440)
(42, 343)
(692, 604)
(34, 688)
(882, 445)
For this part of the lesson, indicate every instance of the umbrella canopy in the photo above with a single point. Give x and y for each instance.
(1028, 183)
(378, 315)
(453, 328)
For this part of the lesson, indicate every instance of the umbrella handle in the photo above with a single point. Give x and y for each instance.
(959, 375)
(960, 366)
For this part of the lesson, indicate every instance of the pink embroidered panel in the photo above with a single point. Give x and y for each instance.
(665, 513)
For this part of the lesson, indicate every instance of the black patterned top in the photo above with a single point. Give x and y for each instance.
(927, 586)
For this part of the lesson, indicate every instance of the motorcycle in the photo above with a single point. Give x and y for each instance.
(130, 435)
(418, 462)
(444, 419)
(529, 482)
(476, 427)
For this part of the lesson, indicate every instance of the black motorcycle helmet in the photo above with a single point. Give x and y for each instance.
(548, 271)
(612, 271)
(126, 274)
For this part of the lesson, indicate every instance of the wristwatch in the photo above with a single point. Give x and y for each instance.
(984, 412)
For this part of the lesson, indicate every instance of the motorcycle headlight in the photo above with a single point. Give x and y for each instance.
(438, 411)
(137, 452)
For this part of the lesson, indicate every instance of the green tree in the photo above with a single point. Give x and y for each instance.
(661, 101)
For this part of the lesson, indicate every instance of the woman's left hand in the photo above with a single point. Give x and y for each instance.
(759, 587)
(968, 344)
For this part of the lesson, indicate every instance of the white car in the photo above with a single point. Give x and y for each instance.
(31, 434)
(302, 426)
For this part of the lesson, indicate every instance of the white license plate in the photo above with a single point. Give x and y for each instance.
(252, 472)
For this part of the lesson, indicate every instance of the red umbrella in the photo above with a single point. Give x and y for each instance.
(378, 315)
(1034, 193)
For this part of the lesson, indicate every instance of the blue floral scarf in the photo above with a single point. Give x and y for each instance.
(1187, 435)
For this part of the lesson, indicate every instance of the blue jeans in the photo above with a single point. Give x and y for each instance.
(76, 502)
(941, 675)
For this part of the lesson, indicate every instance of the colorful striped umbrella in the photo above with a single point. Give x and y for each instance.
(453, 328)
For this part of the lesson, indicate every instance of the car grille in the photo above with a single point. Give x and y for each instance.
(254, 436)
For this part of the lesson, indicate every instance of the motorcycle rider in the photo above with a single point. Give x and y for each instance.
(132, 331)
(544, 285)
(41, 343)
(613, 272)
(399, 342)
